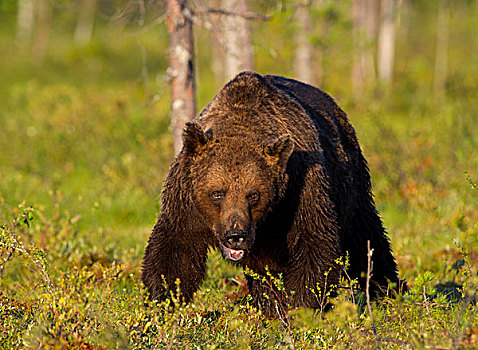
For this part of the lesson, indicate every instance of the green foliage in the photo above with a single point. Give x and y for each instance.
(85, 145)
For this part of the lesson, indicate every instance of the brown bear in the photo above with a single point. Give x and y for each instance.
(270, 173)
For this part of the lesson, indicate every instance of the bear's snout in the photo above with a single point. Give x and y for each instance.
(235, 244)
(235, 239)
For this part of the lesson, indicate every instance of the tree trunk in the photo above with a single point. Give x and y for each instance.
(25, 20)
(181, 68)
(304, 52)
(237, 34)
(441, 53)
(386, 40)
(218, 57)
(365, 18)
(42, 31)
(86, 20)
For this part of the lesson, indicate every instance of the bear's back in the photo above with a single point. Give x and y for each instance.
(250, 106)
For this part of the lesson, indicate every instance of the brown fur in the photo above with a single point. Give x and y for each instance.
(270, 169)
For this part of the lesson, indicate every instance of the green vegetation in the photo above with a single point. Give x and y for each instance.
(85, 146)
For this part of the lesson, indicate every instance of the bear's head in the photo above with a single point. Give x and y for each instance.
(235, 183)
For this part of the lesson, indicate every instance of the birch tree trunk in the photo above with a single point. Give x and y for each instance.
(42, 31)
(386, 40)
(365, 18)
(441, 53)
(181, 69)
(238, 41)
(218, 57)
(304, 52)
(25, 20)
(86, 20)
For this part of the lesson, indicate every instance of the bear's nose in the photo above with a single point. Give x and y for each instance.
(235, 238)
(234, 221)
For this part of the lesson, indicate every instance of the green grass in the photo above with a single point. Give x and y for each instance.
(84, 149)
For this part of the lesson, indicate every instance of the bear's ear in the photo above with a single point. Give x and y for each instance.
(194, 138)
(279, 150)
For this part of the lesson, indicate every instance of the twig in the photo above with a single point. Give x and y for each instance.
(473, 185)
(19, 247)
(324, 296)
(142, 11)
(429, 315)
(367, 291)
(267, 282)
(457, 338)
(144, 68)
(2, 268)
(173, 335)
(281, 311)
(344, 269)
(246, 15)
(148, 27)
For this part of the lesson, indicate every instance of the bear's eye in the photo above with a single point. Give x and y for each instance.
(253, 197)
(217, 195)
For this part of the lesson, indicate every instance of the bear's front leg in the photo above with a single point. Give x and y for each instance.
(171, 256)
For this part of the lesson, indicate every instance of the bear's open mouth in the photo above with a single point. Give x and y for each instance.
(233, 254)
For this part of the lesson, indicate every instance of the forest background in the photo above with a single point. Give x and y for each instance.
(86, 141)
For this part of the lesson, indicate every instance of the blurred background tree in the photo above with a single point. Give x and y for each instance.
(181, 68)
(306, 68)
(367, 30)
(85, 23)
(237, 39)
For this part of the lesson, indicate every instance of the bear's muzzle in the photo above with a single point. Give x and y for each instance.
(235, 239)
